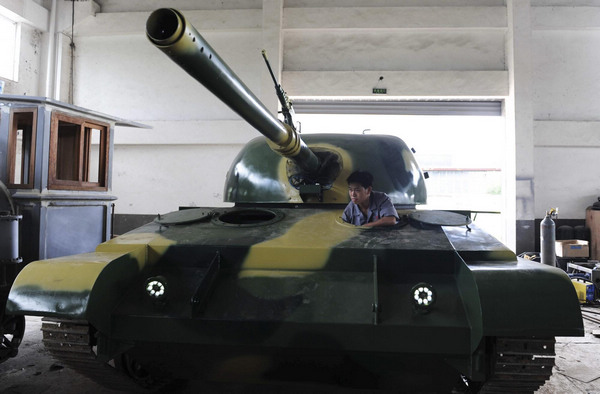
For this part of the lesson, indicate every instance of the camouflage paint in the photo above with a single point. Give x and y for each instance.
(259, 175)
(62, 286)
(301, 247)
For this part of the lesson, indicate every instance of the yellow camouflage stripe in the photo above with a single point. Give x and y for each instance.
(339, 190)
(79, 272)
(302, 247)
(71, 273)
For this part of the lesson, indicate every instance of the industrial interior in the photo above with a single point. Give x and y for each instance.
(174, 177)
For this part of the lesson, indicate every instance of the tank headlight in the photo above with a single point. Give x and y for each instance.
(423, 296)
(156, 288)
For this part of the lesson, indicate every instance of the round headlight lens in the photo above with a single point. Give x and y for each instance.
(156, 288)
(423, 296)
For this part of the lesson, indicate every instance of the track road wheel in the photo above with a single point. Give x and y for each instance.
(73, 343)
(11, 334)
(136, 371)
(520, 365)
(144, 379)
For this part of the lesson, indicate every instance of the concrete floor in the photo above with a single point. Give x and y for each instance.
(34, 371)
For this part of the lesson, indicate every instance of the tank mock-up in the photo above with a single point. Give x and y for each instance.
(279, 289)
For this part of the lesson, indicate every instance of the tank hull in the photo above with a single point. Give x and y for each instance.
(261, 287)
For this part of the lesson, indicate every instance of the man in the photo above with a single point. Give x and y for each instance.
(367, 207)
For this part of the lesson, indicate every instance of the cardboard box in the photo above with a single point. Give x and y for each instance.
(572, 248)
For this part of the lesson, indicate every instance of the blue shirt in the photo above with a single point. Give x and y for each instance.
(380, 205)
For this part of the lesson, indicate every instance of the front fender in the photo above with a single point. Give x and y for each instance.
(84, 286)
(527, 298)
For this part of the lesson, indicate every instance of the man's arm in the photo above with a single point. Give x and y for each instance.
(384, 221)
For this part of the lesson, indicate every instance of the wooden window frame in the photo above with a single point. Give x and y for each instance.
(83, 154)
(12, 150)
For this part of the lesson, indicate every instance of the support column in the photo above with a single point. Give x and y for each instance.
(519, 118)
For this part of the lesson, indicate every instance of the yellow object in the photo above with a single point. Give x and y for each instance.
(71, 273)
(584, 290)
(152, 246)
(301, 248)
(79, 272)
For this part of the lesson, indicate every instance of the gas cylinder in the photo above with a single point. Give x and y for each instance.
(9, 242)
(548, 238)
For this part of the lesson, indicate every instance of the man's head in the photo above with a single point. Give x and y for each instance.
(360, 184)
(364, 178)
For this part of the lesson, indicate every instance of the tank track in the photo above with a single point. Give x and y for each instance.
(520, 365)
(72, 343)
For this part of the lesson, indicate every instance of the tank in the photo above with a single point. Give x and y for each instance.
(277, 289)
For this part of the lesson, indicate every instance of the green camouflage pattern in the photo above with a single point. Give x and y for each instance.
(259, 175)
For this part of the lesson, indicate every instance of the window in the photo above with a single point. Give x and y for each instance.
(78, 154)
(21, 148)
(9, 48)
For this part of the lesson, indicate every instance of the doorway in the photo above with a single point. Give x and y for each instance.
(462, 151)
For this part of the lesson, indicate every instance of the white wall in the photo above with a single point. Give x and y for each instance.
(566, 106)
(154, 179)
(540, 56)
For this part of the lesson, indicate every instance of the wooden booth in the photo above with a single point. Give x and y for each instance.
(56, 161)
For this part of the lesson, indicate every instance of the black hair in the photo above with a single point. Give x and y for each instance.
(363, 177)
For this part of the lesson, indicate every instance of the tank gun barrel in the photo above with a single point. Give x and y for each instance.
(169, 31)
